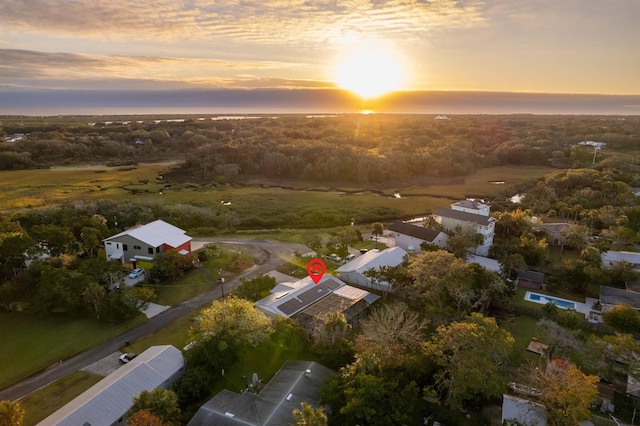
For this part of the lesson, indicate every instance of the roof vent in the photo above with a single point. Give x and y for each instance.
(289, 397)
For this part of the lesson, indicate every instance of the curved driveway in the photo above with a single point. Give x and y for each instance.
(269, 254)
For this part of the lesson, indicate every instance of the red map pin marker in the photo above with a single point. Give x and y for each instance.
(316, 269)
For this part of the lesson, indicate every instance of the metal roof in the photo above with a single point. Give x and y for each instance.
(294, 383)
(110, 399)
(485, 262)
(621, 256)
(156, 234)
(392, 256)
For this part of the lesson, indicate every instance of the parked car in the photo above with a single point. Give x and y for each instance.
(125, 358)
(363, 251)
(335, 257)
(350, 257)
(136, 273)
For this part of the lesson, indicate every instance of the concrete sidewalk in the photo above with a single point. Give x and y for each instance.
(154, 309)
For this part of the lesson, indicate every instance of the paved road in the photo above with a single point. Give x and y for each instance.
(269, 255)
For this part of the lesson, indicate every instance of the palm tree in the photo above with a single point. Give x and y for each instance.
(378, 229)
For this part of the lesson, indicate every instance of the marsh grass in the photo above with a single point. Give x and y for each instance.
(301, 204)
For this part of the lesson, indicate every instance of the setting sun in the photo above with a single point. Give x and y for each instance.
(369, 73)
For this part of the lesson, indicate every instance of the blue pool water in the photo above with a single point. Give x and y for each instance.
(544, 299)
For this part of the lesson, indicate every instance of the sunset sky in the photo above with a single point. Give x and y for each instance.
(546, 46)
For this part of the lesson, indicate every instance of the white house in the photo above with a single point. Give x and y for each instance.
(353, 272)
(612, 257)
(409, 236)
(144, 242)
(107, 402)
(469, 216)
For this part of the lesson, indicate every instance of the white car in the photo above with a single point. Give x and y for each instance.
(125, 358)
(136, 273)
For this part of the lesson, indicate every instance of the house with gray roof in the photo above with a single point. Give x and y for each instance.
(308, 303)
(146, 241)
(296, 382)
(469, 216)
(530, 279)
(106, 403)
(611, 296)
(409, 236)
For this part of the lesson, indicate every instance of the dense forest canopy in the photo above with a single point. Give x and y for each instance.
(355, 148)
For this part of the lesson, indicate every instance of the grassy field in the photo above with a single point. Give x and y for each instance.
(47, 400)
(31, 344)
(176, 334)
(176, 292)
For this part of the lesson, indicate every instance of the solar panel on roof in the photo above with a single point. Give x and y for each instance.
(306, 298)
(290, 306)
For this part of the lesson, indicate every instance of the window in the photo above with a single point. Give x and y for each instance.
(150, 250)
(137, 248)
(157, 249)
(108, 244)
(124, 247)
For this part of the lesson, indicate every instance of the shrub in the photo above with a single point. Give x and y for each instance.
(624, 318)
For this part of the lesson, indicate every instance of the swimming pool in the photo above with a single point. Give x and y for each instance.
(544, 299)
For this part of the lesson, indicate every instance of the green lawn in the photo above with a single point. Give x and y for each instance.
(31, 344)
(175, 333)
(522, 328)
(47, 400)
(265, 360)
(185, 288)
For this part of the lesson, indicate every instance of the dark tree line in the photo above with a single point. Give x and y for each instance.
(353, 148)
